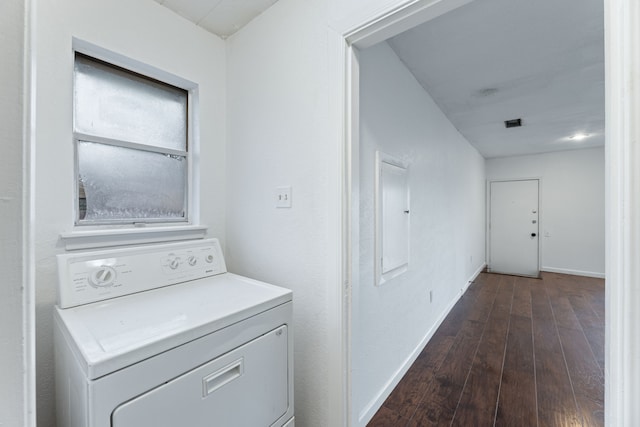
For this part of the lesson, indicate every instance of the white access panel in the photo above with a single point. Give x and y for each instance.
(222, 392)
(395, 220)
(392, 218)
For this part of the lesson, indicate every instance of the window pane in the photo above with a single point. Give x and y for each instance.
(126, 184)
(114, 103)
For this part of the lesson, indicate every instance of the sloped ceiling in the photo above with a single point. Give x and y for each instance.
(220, 17)
(496, 60)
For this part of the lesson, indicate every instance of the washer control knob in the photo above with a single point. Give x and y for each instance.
(192, 260)
(174, 263)
(209, 258)
(103, 277)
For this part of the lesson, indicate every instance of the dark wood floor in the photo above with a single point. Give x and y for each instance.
(513, 352)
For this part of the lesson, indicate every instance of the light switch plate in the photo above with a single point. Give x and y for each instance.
(283, 197)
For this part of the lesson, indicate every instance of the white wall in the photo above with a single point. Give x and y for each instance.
(392, 322)
(277, 110)
(278, 75)
(285, 99)
(572, 227)
(13, 338)
(146, 32)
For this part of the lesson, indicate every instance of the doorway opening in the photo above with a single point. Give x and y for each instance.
(357, 171)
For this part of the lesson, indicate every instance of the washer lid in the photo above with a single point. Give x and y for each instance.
(110, 335)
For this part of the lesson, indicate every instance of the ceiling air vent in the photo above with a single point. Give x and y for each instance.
(513, 123)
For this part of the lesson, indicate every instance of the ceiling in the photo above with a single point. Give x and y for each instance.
(496, 60)
(220, 17)
(487, 62)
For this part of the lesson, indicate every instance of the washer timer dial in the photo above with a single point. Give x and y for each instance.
(174, 263)
(103, 277)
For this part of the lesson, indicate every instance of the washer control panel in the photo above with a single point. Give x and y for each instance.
(98, 275)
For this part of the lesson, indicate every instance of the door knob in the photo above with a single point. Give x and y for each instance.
(533, 234)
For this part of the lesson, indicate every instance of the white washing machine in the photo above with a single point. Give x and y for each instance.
(164, 336)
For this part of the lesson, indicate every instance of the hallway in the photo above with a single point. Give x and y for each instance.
(513, 351)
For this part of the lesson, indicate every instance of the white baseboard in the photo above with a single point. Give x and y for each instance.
(471, 279)
(573, 272)
(370, 410)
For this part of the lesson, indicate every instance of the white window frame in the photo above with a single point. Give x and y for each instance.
(96, 235)
(78, 137)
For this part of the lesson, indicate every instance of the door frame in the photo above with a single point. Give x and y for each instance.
(622, 205)
(344, 42)
(488, 216)
(622, 103)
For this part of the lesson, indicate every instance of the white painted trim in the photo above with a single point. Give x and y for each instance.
(79, 136)
(622, 156)
(338, 280)
(117, 237)
(28, 217)
(192, 203)
(372, 407)
(352, 208)
(123, 61)
(398, 20)
(573, 272)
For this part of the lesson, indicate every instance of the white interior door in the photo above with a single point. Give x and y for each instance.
(513, 227)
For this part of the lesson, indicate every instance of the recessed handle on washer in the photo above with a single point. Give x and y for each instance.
(222, 376)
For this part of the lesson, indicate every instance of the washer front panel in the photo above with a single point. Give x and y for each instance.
(96, 276)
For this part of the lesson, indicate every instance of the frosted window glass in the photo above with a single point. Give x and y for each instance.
(114, 103)
(126, 184)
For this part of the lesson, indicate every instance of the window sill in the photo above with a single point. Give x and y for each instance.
(91, 239)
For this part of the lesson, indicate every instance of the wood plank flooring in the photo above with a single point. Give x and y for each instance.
(513, 351)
